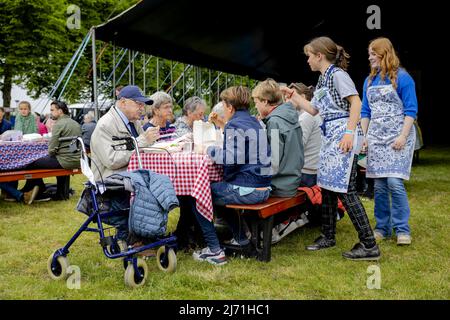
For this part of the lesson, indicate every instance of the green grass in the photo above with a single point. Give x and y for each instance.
(28, 234)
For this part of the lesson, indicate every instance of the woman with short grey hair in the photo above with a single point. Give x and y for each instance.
(162, 114)
(193, 109)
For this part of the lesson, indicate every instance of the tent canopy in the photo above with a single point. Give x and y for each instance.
(248, 38)
(262, 40)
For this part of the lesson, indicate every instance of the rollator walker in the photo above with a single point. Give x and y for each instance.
(136, 269)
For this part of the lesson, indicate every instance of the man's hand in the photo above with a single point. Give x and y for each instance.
(151, 134)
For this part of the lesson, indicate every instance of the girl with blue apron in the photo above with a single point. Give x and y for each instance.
(386, 123)
(334, 166)
(388, 166)
(337, 170)
(338, 103)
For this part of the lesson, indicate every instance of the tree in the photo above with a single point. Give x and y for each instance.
(35, 43)
(29, 31)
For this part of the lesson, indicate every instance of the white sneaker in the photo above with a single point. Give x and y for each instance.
(232, 242)
(275, 236)
(302, 220)
(403, 239)
(290, 227)
(216, 258)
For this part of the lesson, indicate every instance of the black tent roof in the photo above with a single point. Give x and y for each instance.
(266, 40)
(251, 38)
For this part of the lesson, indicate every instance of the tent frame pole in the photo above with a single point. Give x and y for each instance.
(94, 75)
(114, 72)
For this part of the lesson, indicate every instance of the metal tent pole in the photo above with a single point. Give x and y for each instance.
(157, 74)
(184, 83)
(171, 75)
(218, 86)
(129, 66)
(143, 70)
(114, 72)
(80, 54)
(133, 72)
(94, 75)
(209, 88)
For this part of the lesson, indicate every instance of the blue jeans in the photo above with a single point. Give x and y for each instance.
(391, 206)
(223, 194)
(11, 189)
(208, 230)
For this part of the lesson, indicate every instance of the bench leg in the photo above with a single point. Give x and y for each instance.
(267, 225)
(261, 239)
(63, 187)
(255, 235)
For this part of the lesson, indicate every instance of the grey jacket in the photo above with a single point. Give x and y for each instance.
(154, 197)
(287, 168)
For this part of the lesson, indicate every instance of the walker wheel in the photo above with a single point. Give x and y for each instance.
(166, 262)
(132, 279)
(57, 268)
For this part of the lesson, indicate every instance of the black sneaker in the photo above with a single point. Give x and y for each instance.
(321, 242)
(360, 252)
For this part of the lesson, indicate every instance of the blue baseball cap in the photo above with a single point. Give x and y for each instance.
(134, 93)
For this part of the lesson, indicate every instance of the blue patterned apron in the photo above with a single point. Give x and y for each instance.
(334, 166)
(385, 126)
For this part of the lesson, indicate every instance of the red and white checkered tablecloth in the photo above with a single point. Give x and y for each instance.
(190, 173)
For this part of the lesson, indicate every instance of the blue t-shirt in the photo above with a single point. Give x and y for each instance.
(406, 90)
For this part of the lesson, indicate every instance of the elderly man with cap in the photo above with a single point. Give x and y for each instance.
(121, 120)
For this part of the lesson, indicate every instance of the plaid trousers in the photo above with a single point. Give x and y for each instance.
(352, 205)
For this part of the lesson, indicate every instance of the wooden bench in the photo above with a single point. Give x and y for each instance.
(63, 184)
(261, 218)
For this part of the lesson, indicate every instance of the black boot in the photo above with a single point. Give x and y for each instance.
(360, 252)
(321, 242)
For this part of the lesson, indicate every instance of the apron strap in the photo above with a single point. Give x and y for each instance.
(324, 122)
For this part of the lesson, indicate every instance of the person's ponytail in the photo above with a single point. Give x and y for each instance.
(342, 58)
